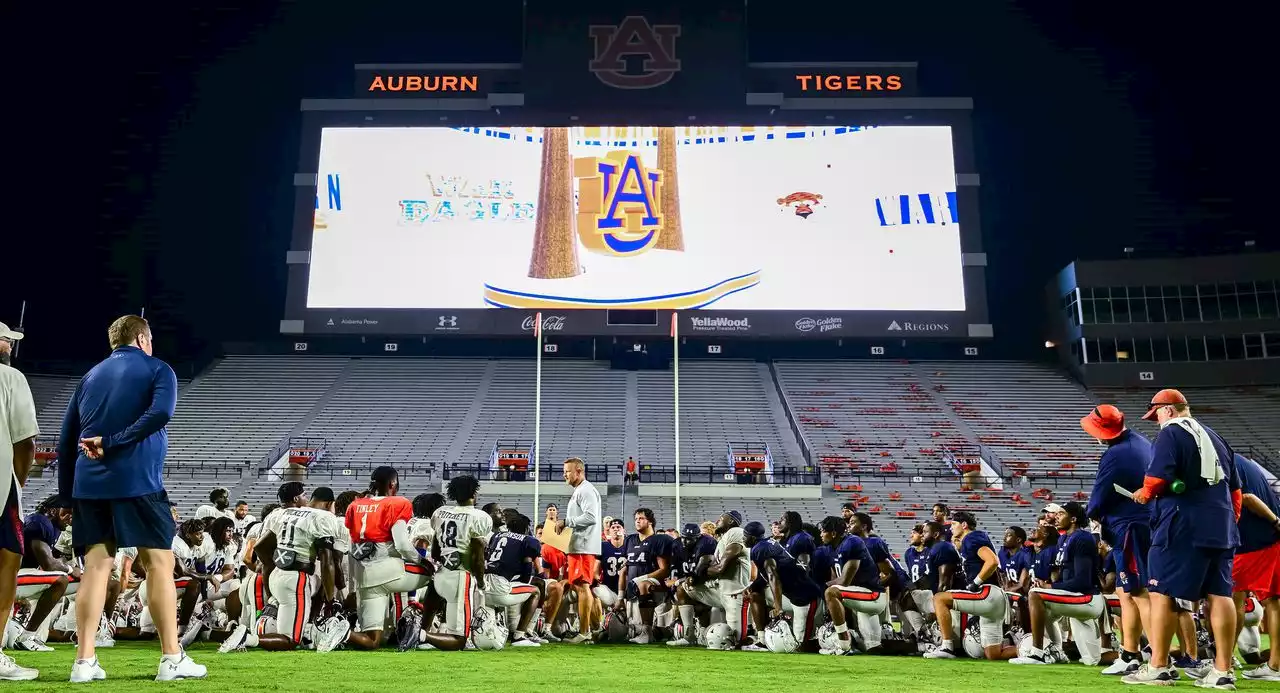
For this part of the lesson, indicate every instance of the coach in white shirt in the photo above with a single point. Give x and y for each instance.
(18, 431)
(583, 517)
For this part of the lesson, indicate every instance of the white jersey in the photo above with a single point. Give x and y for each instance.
(211, 511)
(734, 577)
(195, 559)
(300, 529)
(228, 555)
(455, 528)
(241, 524)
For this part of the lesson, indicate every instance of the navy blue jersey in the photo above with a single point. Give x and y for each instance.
(799, 544)
(1124, 464)
(613, 563)
(1013, 563)
(702, 546)
(642, 554)
(822, 565)
(879, 551)
(852, 548)
(1042, 563)
(969, 555)
(797, 586)
(1078, 563)
(1201, 516)
(511, 555)
(917, 563)
(940, 554)
(1255, 532)
(38, 527)
(1109, 563)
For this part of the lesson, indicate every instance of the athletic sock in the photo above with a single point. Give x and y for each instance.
(689, 619)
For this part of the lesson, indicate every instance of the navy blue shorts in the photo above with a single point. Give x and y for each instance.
(1189, 572)
(11, 524)
(1134, 547)
(144, 522)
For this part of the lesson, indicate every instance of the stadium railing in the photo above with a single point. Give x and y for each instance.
(1076, 481)
(207, 470)
(362, 470)
(553, 473)
(781, 476)
(791, 417)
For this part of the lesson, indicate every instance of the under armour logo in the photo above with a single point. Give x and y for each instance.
(447, 321)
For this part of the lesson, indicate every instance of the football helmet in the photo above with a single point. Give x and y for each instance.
(615, 627)
(486, 632)
(721, 637)
(779, 638)
(409, 629)
(827, 638)
(972, 640)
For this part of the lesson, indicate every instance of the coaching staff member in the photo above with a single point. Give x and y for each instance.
(118, 416)
(18, 431)
(583, 516)
(1194, 490)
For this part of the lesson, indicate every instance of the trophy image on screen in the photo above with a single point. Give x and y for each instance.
(618, 240)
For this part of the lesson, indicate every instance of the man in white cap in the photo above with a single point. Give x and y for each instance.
(18, 431)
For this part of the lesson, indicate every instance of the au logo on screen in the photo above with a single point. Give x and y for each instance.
(618, 203)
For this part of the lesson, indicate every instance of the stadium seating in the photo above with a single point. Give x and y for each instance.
(720, 402)
(869, 417)
(244, 406)
(389, 410)
(1248, 417)
(1028, 414)
(51, 395)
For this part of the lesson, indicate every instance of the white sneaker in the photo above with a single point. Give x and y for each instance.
(426, 646)
(11, 671)
(12, 631)
(176, 668)
(84, 671)
(1262, 673)
(1220, 680)
(237, 641)
(332, 633)
(939, 653)
(1148, 675)
(66, 622)
(30, 642)
(755, 647)
(577, 639)
(525, 642)
(641, 639)
(1121, 668)
(679, 642)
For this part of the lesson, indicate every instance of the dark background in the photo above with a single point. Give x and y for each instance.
(151, 148)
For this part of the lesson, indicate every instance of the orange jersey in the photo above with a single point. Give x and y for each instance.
(370, 519)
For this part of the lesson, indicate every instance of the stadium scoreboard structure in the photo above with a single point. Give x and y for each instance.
(632, 167)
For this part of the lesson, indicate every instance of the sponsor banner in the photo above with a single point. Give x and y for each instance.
(835, 80)
(436, 81)
(625, 54)
(774, 324)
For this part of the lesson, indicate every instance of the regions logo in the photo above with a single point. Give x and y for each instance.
(619, 203)
(721, 324)
(635, 38)
(904, 326)
(550, 323)
(819, 324)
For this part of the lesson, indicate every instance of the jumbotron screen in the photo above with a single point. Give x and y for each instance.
(738, 218)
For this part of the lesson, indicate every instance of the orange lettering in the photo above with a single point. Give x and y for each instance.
(832, 82)
(470, 83)
(853, 82)
(395, 83)
(376, 84)
(804, 82)
(413, 83)
(448, 83)
(873, 83)
(894, 82)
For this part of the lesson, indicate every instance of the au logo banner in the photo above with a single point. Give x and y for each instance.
(618, 203)
(629, 54)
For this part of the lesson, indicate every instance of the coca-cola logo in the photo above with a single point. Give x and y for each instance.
(550, 323)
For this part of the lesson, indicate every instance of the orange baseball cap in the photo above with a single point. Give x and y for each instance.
(1164, 398)
(1104, 422)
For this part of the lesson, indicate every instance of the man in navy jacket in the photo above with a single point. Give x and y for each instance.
(110, 458)
(1126, 525)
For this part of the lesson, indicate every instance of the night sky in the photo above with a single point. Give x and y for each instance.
(151, 151)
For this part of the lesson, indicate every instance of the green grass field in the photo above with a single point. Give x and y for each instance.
(556, 668)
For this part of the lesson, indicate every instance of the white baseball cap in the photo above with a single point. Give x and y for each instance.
(1053, 508)
(6, 333)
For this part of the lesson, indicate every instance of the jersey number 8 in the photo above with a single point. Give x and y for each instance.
(451, 534)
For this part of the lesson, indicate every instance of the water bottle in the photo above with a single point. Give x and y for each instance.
(1178, 486)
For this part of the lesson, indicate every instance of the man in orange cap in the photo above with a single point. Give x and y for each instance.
(1126, 525)
(1194, 490)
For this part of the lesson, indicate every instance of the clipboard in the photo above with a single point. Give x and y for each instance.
(557, 540)
(1123, 491)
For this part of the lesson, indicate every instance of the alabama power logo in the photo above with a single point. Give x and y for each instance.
(635, 38)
